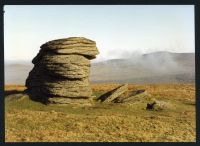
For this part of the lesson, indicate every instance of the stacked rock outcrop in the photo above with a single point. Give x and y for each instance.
(61, 71)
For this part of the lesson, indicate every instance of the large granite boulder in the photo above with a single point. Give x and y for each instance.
(61, 71)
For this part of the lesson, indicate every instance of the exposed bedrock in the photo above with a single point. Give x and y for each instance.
(61, 71)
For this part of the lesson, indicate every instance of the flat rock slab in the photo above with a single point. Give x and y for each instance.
(70, 40)
(133, 96)
(73, 45)
(68, 66)
(61, 59)
(66, 88)
(111, 95)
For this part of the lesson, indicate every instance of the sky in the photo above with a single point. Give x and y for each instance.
(120, 31)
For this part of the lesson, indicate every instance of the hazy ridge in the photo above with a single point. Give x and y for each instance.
(158, 67)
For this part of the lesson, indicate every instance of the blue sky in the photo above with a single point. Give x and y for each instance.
(119, 31)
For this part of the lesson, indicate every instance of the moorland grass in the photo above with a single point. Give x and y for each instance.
(29, 121)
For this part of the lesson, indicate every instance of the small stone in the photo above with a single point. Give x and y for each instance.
(158, 105)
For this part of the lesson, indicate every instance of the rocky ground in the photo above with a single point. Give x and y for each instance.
(29, 121)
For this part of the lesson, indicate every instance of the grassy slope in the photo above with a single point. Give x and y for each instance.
(32, 121)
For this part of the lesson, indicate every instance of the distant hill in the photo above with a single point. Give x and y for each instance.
(16, 73)
(158, 67)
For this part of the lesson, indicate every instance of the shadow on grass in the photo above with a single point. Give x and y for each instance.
(190, 103)
(16, 94)
(6, 93)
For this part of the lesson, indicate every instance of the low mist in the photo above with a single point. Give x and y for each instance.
(152, 67)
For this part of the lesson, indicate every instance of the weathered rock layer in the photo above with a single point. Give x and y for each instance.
(61, 71)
